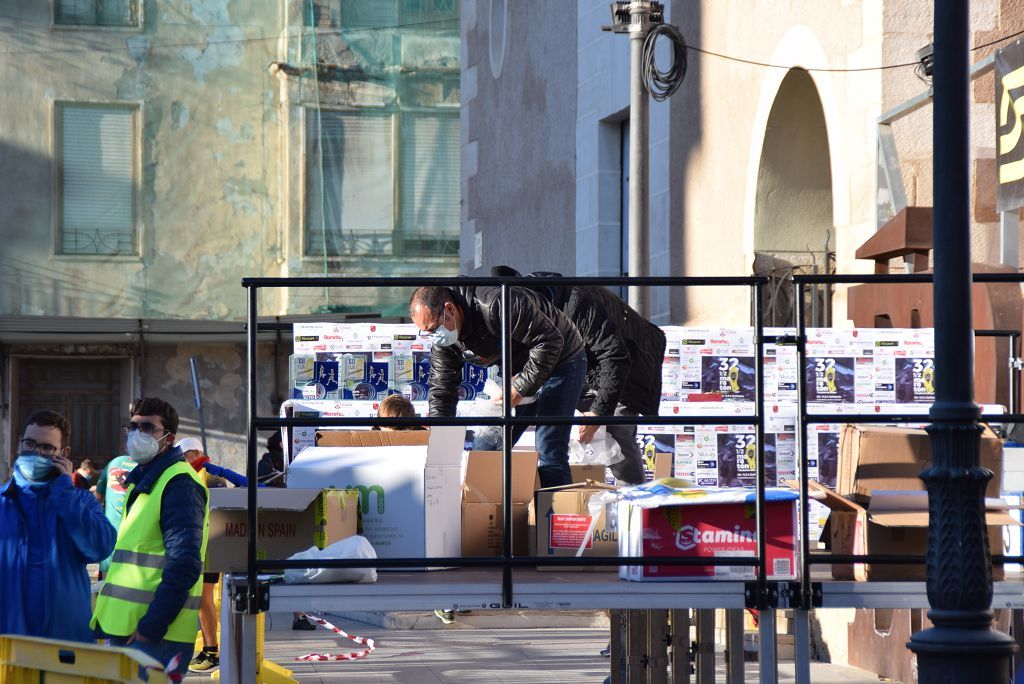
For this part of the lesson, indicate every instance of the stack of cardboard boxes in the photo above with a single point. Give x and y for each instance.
(421, 496)
(881, 506)
(884, 511)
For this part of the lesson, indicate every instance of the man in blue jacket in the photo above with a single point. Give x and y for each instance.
(49, 532)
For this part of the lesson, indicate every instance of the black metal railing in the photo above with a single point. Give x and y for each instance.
(806, 418)
(253, 601)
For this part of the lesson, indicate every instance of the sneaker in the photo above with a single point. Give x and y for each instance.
(205, 661)
(303, 625)
(445, 616)
(606, 652)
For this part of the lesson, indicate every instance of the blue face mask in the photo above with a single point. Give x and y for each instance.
(443, 337)
(33, 468)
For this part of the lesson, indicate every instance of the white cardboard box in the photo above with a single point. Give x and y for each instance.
(409, 495)
(1013, 468)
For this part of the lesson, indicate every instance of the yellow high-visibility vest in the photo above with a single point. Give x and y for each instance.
(137, 566)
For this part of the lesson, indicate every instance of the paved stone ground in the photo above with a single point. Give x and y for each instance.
(472, 655)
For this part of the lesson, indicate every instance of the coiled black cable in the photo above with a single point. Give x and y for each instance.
(661, 84)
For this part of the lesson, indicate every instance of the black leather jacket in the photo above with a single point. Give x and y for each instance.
(625, 351)
(542, 338)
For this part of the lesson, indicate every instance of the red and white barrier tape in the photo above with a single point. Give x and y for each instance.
(169, 669)
(362, 641)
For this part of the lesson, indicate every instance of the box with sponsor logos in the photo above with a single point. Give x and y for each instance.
(343, 361)
(717, 361)
(657, 519)
(725, 455)
(408, 482)
(289, 521)
(367, 362)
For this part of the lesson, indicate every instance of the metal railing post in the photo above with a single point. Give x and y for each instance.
(506, 446)
(252, 606)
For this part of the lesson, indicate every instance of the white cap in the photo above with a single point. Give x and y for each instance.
(190, 444)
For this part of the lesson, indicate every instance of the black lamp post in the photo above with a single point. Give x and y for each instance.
(962, 646)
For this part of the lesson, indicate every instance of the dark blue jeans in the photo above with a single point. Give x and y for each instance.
(161, 651)
(556, 397)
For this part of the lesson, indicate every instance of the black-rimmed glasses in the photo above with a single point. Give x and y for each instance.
(147, 428)
(41, 448)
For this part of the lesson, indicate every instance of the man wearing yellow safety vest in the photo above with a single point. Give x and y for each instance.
(150, 600)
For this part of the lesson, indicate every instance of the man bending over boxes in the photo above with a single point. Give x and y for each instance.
(625, 352)
(548, 359)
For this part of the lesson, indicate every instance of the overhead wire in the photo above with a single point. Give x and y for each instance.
(349, 31)
(883, 67)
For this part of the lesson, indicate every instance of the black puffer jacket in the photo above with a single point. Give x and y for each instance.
(625, 351)
(542, 338)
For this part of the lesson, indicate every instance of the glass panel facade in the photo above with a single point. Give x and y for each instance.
(382, 130)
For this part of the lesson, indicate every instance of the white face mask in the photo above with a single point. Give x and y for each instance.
(443, 337)
(142, 448)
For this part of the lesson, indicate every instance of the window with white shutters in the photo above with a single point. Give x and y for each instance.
(430, 180)
(350, 188)
(96, 13)
(96, 184)
(382, 141)
(354, 176)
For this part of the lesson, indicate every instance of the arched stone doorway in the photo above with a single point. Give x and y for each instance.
(793, 221)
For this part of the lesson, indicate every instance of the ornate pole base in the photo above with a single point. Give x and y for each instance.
(961, 648)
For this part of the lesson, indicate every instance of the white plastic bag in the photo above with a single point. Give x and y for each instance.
(601, 450)
(493, 389)
(355, 546)
(485, 437)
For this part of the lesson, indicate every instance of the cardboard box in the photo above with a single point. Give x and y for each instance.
(560, 519)
(483, 529)
(289, 521)
(408, 482)
(891, 458)
(1013, 469)
(708, 523)
(482, 511)
(896, 524)
(583, 473)
(482, 521)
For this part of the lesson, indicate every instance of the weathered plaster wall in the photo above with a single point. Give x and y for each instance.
(165, 373)
(208, 182)
(707, 150)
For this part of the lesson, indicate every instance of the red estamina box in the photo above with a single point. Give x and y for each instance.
(710, 529)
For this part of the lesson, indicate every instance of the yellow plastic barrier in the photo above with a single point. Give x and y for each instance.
(30, 660)
(267, 672)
